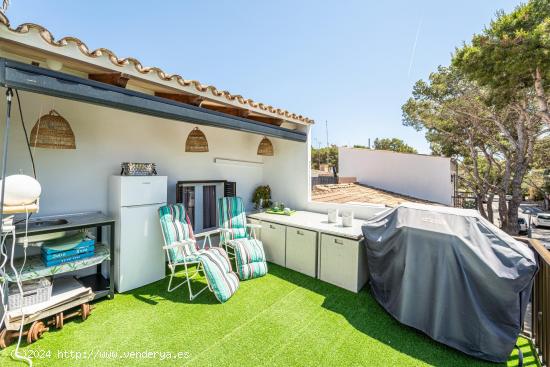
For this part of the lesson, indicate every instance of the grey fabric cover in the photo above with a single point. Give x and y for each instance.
(451, 274)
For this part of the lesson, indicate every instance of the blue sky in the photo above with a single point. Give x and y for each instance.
(350, 63)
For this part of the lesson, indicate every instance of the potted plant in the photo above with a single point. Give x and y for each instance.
(262, 197)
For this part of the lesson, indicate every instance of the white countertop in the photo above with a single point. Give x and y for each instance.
(314, 221)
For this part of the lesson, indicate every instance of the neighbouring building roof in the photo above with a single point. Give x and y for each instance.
(33, 40)
(356, 193)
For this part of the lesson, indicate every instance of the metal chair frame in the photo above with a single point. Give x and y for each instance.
(228, 232)
(199, 267)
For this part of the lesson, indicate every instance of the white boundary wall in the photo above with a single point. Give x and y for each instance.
(290, 179)
(421, 176)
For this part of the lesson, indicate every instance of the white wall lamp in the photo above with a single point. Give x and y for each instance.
(54, 64)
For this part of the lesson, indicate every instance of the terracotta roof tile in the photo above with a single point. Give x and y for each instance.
(122, 62)
(356, 193)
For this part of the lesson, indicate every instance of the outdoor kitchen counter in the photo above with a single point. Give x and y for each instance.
(315, 222)
(306, 242)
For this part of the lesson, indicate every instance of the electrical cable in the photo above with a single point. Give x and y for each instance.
(25, 239)
(19, 283)
(4, 256)
(9, 95)
(27, 140)
(25, 131)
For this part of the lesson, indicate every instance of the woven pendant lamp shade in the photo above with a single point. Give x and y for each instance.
(196, 142)
(52, 131)
(265, 147)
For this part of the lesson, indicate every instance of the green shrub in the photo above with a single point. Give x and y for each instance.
(262, 196)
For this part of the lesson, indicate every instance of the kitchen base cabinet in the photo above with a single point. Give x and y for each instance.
(301, 250)
(343, 262)
(273, 239)
(307, 243)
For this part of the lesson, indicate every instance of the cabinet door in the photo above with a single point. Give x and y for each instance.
(273, 239)
(257, 230)
(301, 250)
(339, 262)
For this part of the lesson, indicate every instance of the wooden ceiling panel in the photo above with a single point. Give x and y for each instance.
(180, 97)
(116, 79)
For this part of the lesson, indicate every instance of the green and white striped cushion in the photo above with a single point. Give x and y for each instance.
(249, 258)
(231, 215)
(176, 228)
(217, 267)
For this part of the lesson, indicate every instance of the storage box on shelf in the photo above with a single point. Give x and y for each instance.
(308, 243)
(68, 249)
(34, 292)
(35, 268)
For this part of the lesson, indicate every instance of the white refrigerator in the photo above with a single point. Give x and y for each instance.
(134, 202)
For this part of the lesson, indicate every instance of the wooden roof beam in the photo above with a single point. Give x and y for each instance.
(230, 110)
(183, 98)
(234, 111)
(266, 120)
(243, 113)
(116, 79)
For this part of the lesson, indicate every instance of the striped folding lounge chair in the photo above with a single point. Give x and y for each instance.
(182, 250)
(239, 238)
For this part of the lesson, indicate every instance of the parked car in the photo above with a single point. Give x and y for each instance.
(522, 224)
(541, 219)
(529, 209)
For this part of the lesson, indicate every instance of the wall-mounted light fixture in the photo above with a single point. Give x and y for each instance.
(265, 147)
(196, 142)
(54, 64)
(52, 131)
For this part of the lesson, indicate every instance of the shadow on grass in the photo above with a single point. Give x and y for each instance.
(153, 293)
(366, 315)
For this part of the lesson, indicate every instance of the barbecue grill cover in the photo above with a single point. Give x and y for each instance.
(451, 274)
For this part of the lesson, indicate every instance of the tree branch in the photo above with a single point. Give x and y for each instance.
(540, 97)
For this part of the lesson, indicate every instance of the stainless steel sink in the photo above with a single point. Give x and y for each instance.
(36, 240)
(47, 223)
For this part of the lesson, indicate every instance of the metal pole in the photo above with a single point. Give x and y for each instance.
(529, 230)
(9, 95)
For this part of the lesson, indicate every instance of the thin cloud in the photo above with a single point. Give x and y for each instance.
(414, 46)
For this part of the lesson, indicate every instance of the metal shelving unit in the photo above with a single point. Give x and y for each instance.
(101, 286)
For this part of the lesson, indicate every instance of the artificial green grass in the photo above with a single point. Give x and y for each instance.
(282, 319)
